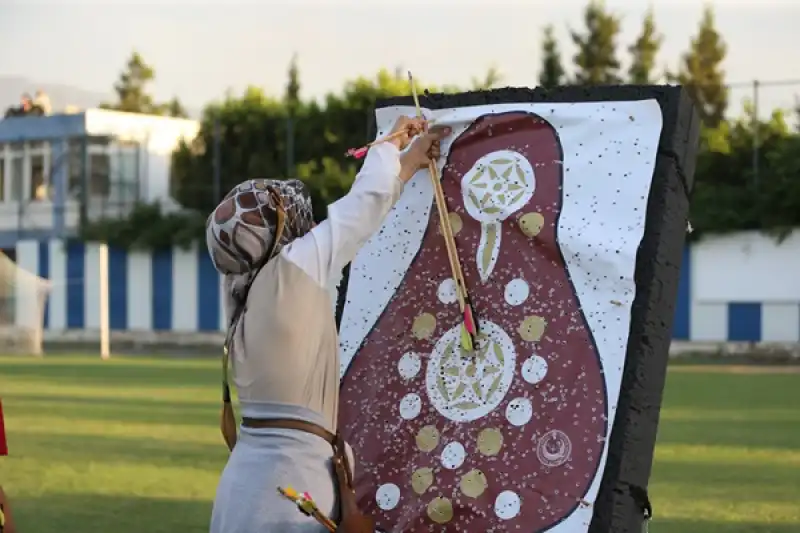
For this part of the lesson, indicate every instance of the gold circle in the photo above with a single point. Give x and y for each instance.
(440, 510)
(473, 483)
(424, 326)
(532, 328)
(421, 480)
(428, 438)
(455, 222)
(531, 224)
(490, 440)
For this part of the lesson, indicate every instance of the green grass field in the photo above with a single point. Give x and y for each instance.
(132, 445)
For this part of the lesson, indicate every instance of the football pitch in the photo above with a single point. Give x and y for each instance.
(132, 444)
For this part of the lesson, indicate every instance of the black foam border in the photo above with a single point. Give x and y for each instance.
(658, 262)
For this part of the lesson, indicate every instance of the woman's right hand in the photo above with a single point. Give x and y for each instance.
(425, 148)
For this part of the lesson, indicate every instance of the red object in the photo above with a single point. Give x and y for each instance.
(434, 471)
(3, 444)
(469, 321)
(358, 153)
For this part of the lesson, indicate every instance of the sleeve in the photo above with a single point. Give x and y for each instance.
(352, 220)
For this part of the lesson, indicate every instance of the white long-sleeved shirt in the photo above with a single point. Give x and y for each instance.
(353, 219)
(285, 352)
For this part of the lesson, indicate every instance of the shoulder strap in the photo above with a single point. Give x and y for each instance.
(227, 418)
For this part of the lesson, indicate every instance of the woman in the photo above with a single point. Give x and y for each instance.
(283, 342)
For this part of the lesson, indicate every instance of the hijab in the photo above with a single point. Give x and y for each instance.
(244, 231)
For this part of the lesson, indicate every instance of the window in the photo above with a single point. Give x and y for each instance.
(99, 175)
(38, 179)
(17, 177)
(25, 172)
(75, 170)
(125, 173)
(111, 170)
(38, 184)
(96, 167)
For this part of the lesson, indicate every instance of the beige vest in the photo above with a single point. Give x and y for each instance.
(285, 354)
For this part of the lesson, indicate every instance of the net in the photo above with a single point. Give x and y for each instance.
(23, 297)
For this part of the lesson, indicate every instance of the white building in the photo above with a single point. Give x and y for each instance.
(98, 161)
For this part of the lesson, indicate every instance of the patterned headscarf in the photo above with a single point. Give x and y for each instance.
(241, 230)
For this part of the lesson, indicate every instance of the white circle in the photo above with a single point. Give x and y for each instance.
(534, 369)
(387, 496)
(517, 291)
(447, 291)
(508, 178)
(519, 411)
(467, 386)
(507, 505)
(554, 448)
(409, 365)
(453, 455)
(410, 406)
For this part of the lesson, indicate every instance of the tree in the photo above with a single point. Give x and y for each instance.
(644, 52)
(173, 108)
(552, 72)
(492, 78)
(701, 71)
(131, 88)
(132, 91)
(728, 194)
(292, 94)
(596, 61)
(797, 113)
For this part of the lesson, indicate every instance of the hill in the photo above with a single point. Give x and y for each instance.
(61, 96)
(11, 87)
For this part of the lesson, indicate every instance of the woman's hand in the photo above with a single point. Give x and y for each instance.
(411, 127)
(424, 149)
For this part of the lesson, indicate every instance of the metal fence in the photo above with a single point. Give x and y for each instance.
(765, 97)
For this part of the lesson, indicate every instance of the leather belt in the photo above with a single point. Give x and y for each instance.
(288, 423)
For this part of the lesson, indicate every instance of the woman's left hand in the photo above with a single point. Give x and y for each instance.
(410, 128)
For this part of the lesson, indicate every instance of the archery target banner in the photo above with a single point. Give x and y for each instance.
(548, 204)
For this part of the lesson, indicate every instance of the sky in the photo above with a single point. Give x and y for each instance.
(200, 49)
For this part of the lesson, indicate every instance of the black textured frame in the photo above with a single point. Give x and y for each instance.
(618, 508)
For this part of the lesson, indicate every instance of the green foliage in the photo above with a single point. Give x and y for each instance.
(276, 137)
(147, 227)
(729, 196)
(253, 130)
(596, 61)
(491, 79)
(132, 91)
(552, 72)
(702, 74)
(644, 52)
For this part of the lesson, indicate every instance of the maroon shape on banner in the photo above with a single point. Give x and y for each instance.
(511, 435)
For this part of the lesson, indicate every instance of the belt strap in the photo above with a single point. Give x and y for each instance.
(335, 440)
(288, 423)
(351, 519)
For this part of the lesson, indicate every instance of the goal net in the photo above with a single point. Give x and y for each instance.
(23, 296)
